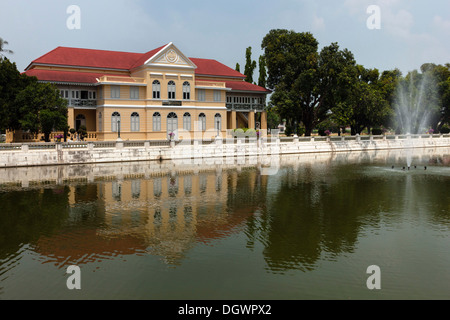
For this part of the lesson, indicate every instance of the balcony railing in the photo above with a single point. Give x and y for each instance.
(245, 106)
(120, 79)
(214, 84)
(82, 102)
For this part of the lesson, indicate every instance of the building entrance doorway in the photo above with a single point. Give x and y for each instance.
(80, 121)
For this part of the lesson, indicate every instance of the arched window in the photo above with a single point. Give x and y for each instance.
(115, 122)
(171, 90)
(201, 122)
(186, 91)
(100, 122)
(218, 121)
(156, 121)
(156, 87)
(187, 121)
(135, 122)
(172, 124)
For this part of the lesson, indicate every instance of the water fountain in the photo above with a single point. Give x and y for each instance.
(413, 103)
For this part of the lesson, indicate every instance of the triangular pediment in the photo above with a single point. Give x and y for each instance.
(170, 56)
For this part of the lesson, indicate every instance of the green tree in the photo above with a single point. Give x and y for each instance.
(2, 48)
(11, 83)
(262, 72)
(41, 109)
(306, 83)
(446, 104)
(238, 67)
(250, 65)
(440, 74)
(273, 119)
(387, 84)
(363, 105)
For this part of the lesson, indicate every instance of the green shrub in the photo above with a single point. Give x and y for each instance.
(250, 133)
(301, 131)
(239, 132)
(445, 129)
(82, 132)
(377, 131)
(288, 131)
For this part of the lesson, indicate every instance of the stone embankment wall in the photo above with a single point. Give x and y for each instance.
(25, 155)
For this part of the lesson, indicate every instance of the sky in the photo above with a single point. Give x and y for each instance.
(407, 33)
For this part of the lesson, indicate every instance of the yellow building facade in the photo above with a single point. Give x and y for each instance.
(151, 96)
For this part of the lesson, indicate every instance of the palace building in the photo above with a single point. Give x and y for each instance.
(149, 96)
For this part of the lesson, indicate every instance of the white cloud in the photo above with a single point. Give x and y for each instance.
(318, 23)
(441, 24)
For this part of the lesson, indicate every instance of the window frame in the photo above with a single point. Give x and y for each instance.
(187, 121)
(201, 95)
(135, 120)
(186, 90)
(115, 117)
(217, 95)
(171, 90)
(202, 121)
(115, 92)
(100, 121)
(134, 93)
(156, 125)
(156, 89)
(218, 116)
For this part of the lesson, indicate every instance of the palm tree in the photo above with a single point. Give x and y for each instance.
(2, 49)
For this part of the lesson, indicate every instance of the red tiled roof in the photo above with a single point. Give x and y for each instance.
(103, 59)
(214, 68)
(244, 86)
(144, 57)
(65, 76)
(89, 58)
(77, 57)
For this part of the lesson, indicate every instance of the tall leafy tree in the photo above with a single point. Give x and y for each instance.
(41, 109)
(441, 80)
(26, 104)
(11, 83)
(262, 72)
(306, 83)
(238, 67)
(288, 56)
(364, 104)
(387, 84)
(250, 65)
(3, 43)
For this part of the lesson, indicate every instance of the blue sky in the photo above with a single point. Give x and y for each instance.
(412, 32)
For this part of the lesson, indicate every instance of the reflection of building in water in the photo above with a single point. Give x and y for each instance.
(164, 215)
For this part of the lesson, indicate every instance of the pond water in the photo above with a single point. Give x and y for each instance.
(308, 230)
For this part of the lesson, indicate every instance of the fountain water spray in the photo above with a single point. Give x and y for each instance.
(414, 103)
